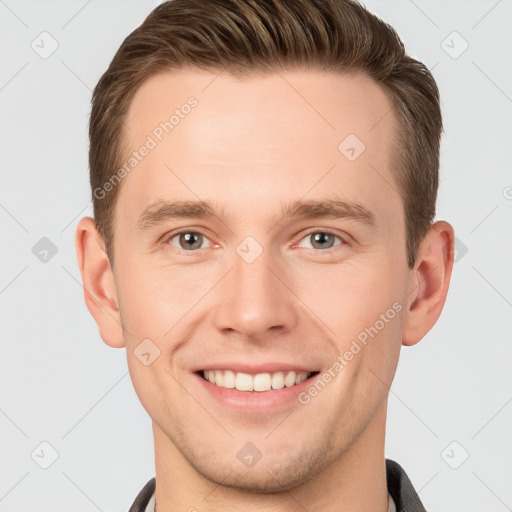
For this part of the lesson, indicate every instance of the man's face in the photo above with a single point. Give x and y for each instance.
(255, 288)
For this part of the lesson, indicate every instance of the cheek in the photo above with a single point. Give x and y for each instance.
(348, 297)
(143, 380)
(342, 299)
(362, 306)
(153, 298)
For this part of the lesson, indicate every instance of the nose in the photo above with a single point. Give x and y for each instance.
(255, 299)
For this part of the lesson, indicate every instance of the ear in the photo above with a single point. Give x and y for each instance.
(430, 279)
(98, 282)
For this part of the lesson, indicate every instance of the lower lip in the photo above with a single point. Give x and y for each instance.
(255, 400)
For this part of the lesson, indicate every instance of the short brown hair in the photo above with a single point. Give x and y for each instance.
(245, 37)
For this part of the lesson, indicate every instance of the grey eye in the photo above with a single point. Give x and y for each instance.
(188, 241)
(321, 240)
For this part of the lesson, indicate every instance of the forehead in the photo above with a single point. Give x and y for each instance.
(331, 102)
(278, 133)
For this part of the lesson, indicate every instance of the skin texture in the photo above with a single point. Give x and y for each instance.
(247, 147)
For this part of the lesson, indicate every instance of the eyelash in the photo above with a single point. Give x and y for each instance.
(322, 251)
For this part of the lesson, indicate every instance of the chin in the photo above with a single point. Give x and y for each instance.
(268, 475)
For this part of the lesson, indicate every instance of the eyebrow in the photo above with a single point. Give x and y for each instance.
(336, 208)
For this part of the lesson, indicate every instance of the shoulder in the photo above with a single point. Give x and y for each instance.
(142, 499)
(401, 489)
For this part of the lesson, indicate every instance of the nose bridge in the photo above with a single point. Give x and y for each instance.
(253, 300)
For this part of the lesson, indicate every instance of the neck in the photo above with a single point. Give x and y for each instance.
(355, 481)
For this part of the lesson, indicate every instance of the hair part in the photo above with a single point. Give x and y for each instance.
(250, 37)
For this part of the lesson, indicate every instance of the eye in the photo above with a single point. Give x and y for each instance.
(187, 240)
(322, 240)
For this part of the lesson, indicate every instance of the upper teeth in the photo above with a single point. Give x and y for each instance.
(259, 382)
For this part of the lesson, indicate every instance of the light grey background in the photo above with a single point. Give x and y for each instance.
(61, 384)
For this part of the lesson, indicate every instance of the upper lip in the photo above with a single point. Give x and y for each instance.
(254, 369)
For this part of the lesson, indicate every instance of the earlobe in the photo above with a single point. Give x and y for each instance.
(430, 279)
(98, 282)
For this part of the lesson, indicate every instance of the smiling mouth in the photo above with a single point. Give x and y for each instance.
(259, 382)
